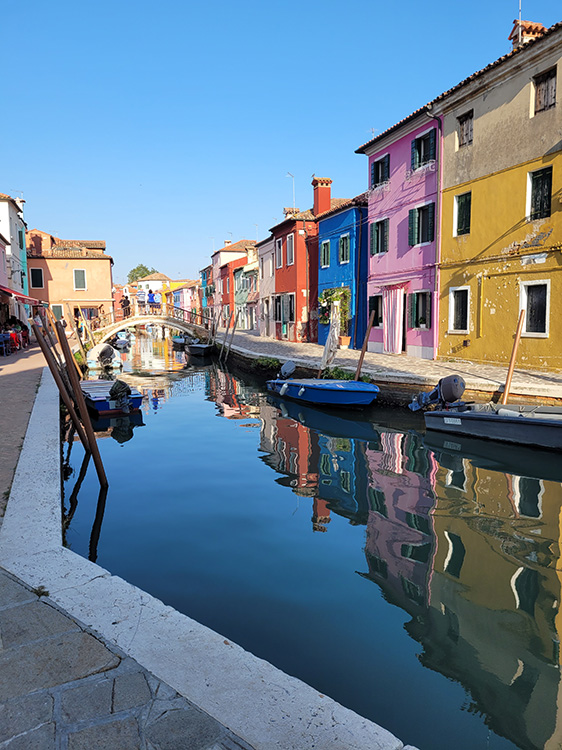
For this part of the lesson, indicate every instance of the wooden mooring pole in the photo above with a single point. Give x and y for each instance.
(364, 347)
(507, 385)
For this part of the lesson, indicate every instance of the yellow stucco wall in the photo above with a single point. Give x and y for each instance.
(502, 251)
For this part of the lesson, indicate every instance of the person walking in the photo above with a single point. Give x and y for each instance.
(125, 306)
(151, 300)
(141, 301)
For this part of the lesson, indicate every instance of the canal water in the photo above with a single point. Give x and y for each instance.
(413, 578)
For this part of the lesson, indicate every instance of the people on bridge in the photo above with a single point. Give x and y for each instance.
(125, 306)
(150, 301)
(157, 302)
(141, 301)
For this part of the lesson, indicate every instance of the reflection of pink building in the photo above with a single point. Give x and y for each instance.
(400, 541)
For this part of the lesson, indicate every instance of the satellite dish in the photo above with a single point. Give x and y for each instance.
(287, 370)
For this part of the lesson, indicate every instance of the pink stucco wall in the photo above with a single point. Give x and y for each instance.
(414, 267)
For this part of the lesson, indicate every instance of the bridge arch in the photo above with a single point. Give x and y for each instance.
(136, 321)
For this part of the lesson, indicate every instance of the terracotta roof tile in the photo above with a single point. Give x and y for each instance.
(155, 277)
(359, 200)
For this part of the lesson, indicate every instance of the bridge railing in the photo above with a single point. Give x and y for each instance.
(161, 309)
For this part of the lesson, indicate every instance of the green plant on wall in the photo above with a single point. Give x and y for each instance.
(340, 294)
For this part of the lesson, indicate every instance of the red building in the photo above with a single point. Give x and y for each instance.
(296, 267)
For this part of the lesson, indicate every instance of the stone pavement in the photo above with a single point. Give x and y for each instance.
(394, 369)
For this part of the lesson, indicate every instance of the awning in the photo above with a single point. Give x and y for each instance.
(6, 290)
(26, 300)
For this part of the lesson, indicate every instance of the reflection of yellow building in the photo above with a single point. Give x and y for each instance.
(495, 596)
(501, 214)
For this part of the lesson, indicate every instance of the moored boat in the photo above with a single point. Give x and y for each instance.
(110, 396)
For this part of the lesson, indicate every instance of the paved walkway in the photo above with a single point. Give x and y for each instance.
(400, 369)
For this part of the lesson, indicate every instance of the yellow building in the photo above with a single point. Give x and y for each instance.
(501, 211)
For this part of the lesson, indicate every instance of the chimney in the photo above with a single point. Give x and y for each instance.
(227, 242)
(322, 195)
(529, 31)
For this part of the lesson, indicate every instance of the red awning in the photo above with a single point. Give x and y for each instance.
(26, 300)
(6, 290)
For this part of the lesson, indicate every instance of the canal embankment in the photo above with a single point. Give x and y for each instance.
(399, 376)
(91, 661)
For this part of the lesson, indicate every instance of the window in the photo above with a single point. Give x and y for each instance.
(36, 278)
(420, 523)
(545, 91)
(261, 268)
(278, 253)
(455, 554)
(458, 309)
(344, 248)
(57, 311)
(462, 214)
(290, 249)
(285, 308)
(20, 238)
(380, 171)
(379, 237)
(535, 300)
(416, 552)
(325, 254)
(540, 193)
(423, 149)
(420, 310)
(79, 279)
(377, 501)
(465, 128)
(421, 222)
(228, 284)
(375, 303)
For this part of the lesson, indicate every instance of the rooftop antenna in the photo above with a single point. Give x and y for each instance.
(293, 178)
(519, 31)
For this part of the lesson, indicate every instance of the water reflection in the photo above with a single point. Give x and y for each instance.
(461, 535)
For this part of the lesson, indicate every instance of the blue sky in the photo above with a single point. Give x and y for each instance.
(166, 128)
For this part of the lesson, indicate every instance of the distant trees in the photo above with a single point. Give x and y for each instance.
(138, 272)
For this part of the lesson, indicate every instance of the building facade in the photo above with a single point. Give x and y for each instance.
(266, 286)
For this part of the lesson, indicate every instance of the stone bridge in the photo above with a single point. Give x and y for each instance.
(197, 330)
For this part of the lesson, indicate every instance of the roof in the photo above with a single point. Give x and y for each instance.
(360, 200)
(309, 214)
(5, 197)
(63, 251)
(237, 246)
(155, 277)
(427, 107)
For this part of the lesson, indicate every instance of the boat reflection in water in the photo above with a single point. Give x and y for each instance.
(461, 534)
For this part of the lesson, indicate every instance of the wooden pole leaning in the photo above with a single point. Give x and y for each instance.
(364, 347)
(223, 345)
(511, 368)
(54, 324)
(75, 331)
(232, 336)
(51, 362)
(83, 409)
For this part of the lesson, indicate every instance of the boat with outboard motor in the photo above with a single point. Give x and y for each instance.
(524, 424)
(327, 392)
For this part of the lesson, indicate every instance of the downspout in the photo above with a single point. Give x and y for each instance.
(437, 277)
(357, 271)
(307, 282)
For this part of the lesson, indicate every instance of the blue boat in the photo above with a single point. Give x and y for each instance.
(325, 392)
(110, 396)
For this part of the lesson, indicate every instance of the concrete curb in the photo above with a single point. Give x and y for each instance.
(264, 706)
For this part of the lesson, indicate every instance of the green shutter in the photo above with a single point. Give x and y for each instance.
(432, 145)
(384, 242)
(415, 158)
(386, 168)
(372, 238)
(431, 221)
(412, 310)
(372, 174)
(428, 310)
(413, 227)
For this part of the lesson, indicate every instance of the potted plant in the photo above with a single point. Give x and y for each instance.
(325, 299)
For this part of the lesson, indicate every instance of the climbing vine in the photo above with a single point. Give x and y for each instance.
(325, 299)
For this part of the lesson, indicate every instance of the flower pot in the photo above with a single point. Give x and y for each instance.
(344, 342)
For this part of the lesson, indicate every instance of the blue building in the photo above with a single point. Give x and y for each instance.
(343, 253)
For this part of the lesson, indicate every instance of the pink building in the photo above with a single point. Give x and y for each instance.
(403, 228)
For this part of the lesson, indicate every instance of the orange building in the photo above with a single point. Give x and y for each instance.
(69, 274)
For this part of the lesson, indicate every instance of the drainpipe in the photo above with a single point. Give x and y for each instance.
(437, 275)
(307, 281)
(358, 235)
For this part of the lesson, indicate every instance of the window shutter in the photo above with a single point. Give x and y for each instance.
(431, 222)
(384, 238)
(386, 168)
(372, 173)
(428, 310)
(373, 238)
(414, 163)
(413, 227)
(412, 310)
(432, 145)
(340, 249)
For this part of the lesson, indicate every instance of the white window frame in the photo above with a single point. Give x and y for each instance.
(452, 310)
(417, 208)
(279, 253)
(523, 285)
(33, 286)
(325, 242)
(81, 288)
(290, 247)
(344, 262)
(381, 324)
(424, 326)
(456, 214)
(530, 195)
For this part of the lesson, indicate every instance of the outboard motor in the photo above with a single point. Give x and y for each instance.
(120, 392)
(106, 355)
(446, 392)
(287, 370)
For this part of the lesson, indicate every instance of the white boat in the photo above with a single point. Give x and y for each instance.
(103, 357)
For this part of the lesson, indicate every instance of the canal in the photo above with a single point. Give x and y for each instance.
(413, 578)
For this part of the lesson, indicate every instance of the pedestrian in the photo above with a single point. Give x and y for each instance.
(141, 301)
(158, 301)
(125, 306)
(151, 300)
